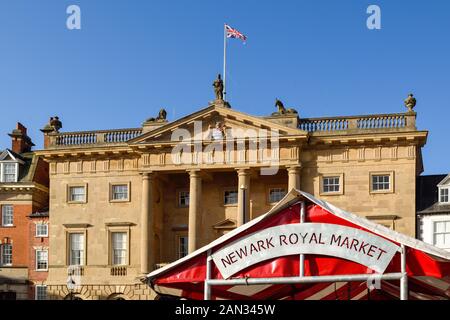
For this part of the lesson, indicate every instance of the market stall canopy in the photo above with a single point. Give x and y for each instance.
(349, 256)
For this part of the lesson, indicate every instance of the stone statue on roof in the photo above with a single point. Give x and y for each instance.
(162, 116)
(218, 87)
(282, 110)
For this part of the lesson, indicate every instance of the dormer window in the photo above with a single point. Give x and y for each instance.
(444, 195)
(9, 171)
(9, 166)
(444, 190)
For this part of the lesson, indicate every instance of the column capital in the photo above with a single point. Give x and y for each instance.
(243, 171)
(194, 172)
(294, 173)
(294, 168)
(147, 175)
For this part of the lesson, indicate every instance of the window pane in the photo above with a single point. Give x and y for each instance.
(119, 248)
(331, 184)
(7, 215)
(120, 192)
(9, 172)
(380, 182)
(77, 194)
(231, 197)
(42, 230)
(444, 198)
(439, 226)
(442, 234)
(447, 240)
(41, 292)
(439, 239)
(41, 260)
(183, 247)
(6, 254)
(276, 194)
(183, 200)
(76, 249)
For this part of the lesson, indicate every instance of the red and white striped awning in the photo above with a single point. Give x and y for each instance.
(427, 267)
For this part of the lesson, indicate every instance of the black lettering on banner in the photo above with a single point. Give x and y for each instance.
(283, 239)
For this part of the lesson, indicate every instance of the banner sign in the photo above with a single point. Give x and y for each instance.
(334, 240)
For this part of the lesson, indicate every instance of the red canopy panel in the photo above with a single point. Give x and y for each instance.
(428, 267)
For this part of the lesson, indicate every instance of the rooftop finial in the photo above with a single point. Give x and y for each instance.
(410, 102)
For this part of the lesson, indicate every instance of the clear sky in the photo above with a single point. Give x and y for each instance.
(133, 57)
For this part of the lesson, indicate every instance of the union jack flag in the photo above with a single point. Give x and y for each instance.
(233, 33)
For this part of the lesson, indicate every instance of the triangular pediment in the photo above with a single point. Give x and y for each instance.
(209, 121)
(8, 155)
(445, 181)
(225, 224)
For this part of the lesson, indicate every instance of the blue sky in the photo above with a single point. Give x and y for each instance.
(133, 57)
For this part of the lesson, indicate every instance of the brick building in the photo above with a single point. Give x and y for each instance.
(38, 255)
(23, 190)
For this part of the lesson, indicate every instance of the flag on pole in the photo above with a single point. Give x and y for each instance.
(229, 32)
(233, 33)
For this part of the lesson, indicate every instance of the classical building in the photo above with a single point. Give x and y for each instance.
(123, 202)
(23, 190)
(433, 210)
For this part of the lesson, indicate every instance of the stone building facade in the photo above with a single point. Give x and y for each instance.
(123, 202)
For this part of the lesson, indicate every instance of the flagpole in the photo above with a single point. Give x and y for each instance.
(224, 60)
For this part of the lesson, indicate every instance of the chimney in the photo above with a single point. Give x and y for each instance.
(20, 142)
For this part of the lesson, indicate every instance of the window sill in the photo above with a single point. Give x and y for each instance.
(41, 270)
(8, 226)
(76, 202)
(118, 266)
(231, 205)
(46, 236)
(119, 201)
(381, 192)
(331, 193)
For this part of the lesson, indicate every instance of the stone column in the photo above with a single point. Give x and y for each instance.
(243, 209)
(294, 177)
(147, 224)
(195, 209)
